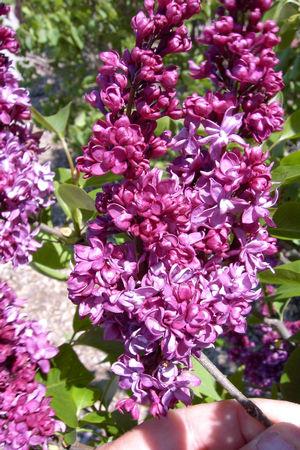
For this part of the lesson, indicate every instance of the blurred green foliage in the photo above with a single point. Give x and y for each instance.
(61, 40)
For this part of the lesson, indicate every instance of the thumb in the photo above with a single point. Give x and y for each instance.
(282, 436)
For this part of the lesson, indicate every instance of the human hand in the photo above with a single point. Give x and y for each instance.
(217, 426)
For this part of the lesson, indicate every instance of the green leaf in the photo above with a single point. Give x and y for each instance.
(93, 193)
(63, 175)
(278, 307)
(83, 397)
(113, 430)
(71, 367)
(51, 260)
(285, 174)
(286, 273)
(94, 338)
(124, 422)
(80, 324)
(61, 398)
(51, 273)
(56, 123)
(291, 159)
(108, 389)
(100, 180)
(70, 437)
(237, 378)
(295, 338)
(60, 201)
(75, 197)
(208, 385)
(76, 37)
(291, 129)
(163, 124)
(53, 254)
(94, 417)
(287, 290)
(287, 219)
(66, 384)
(290, 379)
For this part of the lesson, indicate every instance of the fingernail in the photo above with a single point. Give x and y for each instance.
(273, 441)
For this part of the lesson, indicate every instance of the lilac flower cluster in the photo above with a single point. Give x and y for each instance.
(171, 262)
(26, 418)
(263, 353)
(135, 90)
(240, 61)
(25, 184)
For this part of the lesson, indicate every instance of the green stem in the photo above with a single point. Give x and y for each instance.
(71, 341)
(76, 222)
(75, 177)
(73, 169)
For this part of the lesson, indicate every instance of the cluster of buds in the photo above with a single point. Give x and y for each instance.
(135, 90)
(26, 418)
(263, 353)
(171, 261)
(25, 184)
(240, 61)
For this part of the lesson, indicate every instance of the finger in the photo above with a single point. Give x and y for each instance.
(280, 410)
(205, 426)
(212, 426)
(276, 410)
(282, 436)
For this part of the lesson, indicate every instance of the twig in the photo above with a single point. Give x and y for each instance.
(280, 327)
(79, 446)
(245, 402)
(53, 231)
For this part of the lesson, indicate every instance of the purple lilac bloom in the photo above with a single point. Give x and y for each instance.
(135, 89)
(240, 61)
(25, 184)
(26, 418)
(263, 353)
(171, 261)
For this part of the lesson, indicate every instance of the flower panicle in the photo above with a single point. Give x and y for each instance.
(26, 418)
(172, 260)
(26, 186)
(135, 90)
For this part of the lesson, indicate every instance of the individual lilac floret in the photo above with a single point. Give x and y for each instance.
(26, 418)
(221, 135)
(26, 186)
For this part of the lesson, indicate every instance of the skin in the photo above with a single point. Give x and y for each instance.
(215, 426)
